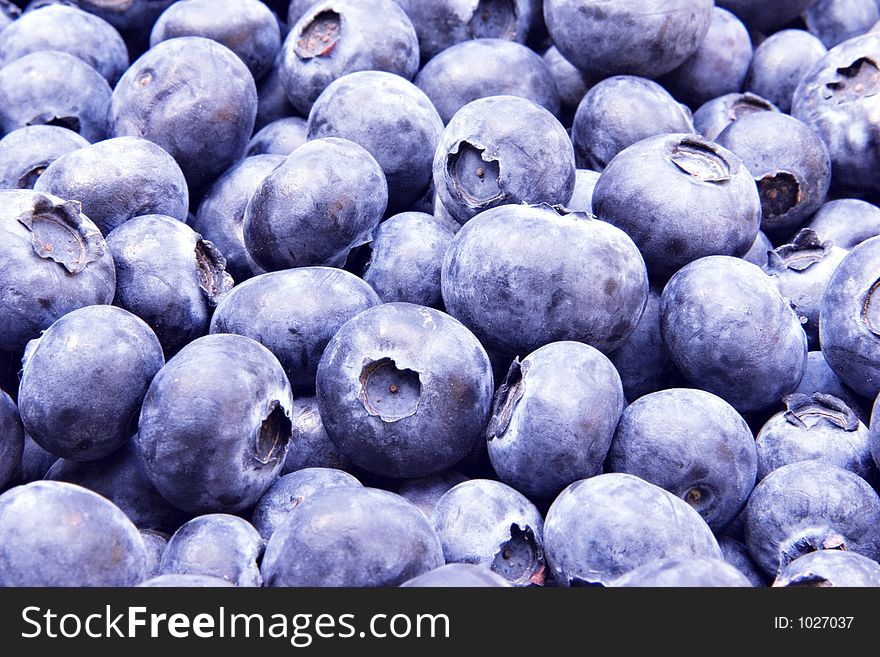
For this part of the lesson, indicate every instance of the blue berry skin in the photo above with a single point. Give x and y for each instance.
(39, 285)
(495, 279)
(102, 349)
(296, 8)
(554, 418)
(737, 555)
(815, 428)
(481, 68)
(168, 276)
(59, 534)
(763, 16)
(838, 99)
(9, 12)
(847, 222)
(390, 117)
(571, 84)
(692, 444)
(310, 446)
(280, 137)
(835, 21)
(819, 377)
(645, 38)
(154, 544)
(294, 313)
(808, 506)
(443, 23)
(779, 63)
(407, 257)
(71, 30)
(133, 18)
(330, 182)
(203, 121)
(875, 433)
(759, 253)
(27, 152)
(691, 572)
(291, 490)
(349, 537)
(458, 575)
(54, 88)
(118, 179)
(247, 27)
(582, 197)
(216, 545)
(215, 425)
(185, 581)
(718, 66)
(849, 331)
(333, 39)
(35, 462)
(680, 198)
(620, 111)
(425, 492)
(272, 102)
(713, 116)
(502, 150)
(11, 440)
(404, 390)
(121, 478)
(730, 332)
(599, 528)
(220, 217)
(490, 524)
(830, 568)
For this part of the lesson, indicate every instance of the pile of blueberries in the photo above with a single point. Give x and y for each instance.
(439, 293)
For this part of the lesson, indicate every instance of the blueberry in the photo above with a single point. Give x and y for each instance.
(571, 84)
(220, 216)
(351, 536)
(404, 390)
(814, 428)
(70, 30)
(490, 524)
(646, 38)
(605, 526)
(122, 479)
(830, 568)
(819, 377)
(390, 117)
(835, 21)
(296, 8)
(779, 63)
(280, 137)
(789, 163)
(680, 198)
(846, 222)
(26, 152)
(272, 101)
(407, 256)
(730, 332)
(689, 572)
(803, 270)
(247, 27)
(458, 575)
(441, 24)
(763, 16)
(718, 66)
(712, 117)
(217, 545)
(838, 99)
(692, 444)
(325, 183)
(290, 491)
(52, 260)
(496, 275)
(620, 111)
(759, 253)
(185, 581)
(100, 349)
(310, 446)
(54, 88)
(168, 276)
(554, 417)
(874, 436)
(203, 121)
(425, 492)
(9, 12)
(737, 555)
(118, 179)
(35, 461)
(133, 18)
(487, 154)
(59, 534)
(849, 330)
(11, 440)
(480, 68)
(154, 544)
(215, 425)
(808, 506)
(584, 185)
(332, 39)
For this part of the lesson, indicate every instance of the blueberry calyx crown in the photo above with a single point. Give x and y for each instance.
(60, 232)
